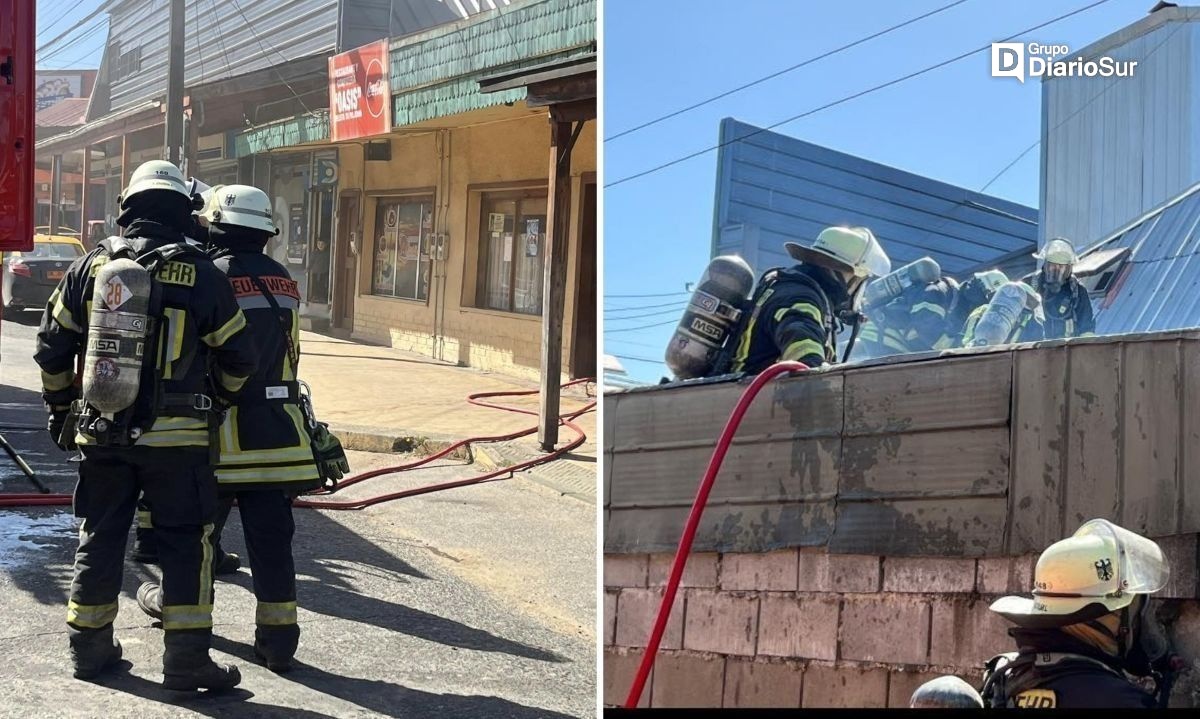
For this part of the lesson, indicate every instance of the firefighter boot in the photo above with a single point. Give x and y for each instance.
(187, 666)
(149, 598)
(227, 563)
(145, 549)
(93, 651)
(275, 646)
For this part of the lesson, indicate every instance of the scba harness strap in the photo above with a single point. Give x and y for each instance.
(118, 431)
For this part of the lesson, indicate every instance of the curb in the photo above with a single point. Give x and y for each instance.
(392, 441)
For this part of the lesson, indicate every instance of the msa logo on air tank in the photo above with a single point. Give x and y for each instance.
(1036, 699)
(707, 329)
(178, 273)
(104, 345)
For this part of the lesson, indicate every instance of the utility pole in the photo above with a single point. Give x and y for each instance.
(173, 145)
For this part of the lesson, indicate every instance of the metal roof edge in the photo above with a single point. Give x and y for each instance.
(98, 123)
(1135, 30)
(1139, 220)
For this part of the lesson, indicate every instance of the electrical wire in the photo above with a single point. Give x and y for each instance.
(663, 294)
(848, 98)
(658, 313)
(74, 45)
(784, 71)
(250, 26)
(99, 9)
(643, 327)
(81, 58)
(638, 359)
(62, 15)
(676, 303)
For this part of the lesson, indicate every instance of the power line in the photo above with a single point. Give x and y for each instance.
(676, 303)
(285, 58)
(99, 9)
(848, 98)
(64, 14)
(784, 71)
(91, 32)
(643, 327)
(664, 294)
(659, 313)
(636, 359)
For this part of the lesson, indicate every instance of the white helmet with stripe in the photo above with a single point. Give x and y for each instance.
(155, 175)
(241, 206)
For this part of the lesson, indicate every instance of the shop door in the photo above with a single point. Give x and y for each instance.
(349, 242)
(583, 341)
(320, 252)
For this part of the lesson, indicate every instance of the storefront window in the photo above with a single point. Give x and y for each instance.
(512, 250)
(402, 238)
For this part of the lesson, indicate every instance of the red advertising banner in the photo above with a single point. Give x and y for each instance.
(360, 95)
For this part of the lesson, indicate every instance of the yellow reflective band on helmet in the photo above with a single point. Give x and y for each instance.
(61, 314)
(91, 616)
(803, 348)
(933, 307)
(801, 307)
(275, 613)
(206, 562)
(268, 474)
(187, 616)
(143, 520)
(57, 382)
(172, 339)
(231, 382)
(219, 337)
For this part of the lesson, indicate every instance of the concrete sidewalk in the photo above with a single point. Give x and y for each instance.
(385, 400)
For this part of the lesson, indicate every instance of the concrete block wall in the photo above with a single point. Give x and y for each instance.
(806, 628)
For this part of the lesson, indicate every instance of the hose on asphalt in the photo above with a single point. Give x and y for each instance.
(693, 522)
(478, 399)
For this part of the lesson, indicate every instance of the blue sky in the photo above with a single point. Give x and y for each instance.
(82, 48)
(956, 124)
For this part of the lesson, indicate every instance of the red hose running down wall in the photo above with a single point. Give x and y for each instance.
(693, 522)
(567, 420)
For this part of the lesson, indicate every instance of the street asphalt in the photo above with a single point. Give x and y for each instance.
(473, 602)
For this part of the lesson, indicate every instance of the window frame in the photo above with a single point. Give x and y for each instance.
(426, 195)
(487, 198)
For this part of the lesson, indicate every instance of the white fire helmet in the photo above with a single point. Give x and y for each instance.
(240, 205)
(1097, 570)
(991, 280)
(845, 249)
(1058, 258)
(155, 175)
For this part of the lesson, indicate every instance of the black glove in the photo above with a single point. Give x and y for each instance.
(331, 458)
(56, 424)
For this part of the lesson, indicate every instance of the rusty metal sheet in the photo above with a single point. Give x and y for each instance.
(1189, 505)
(723, 528)
(1093, 436)
(1038, 426)
(1151, 423)
(968, 527)
(956, 392)
(954, 462)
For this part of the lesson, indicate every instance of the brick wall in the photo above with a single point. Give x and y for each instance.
(805, 628)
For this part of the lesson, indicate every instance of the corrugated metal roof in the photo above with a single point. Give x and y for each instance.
(772, 188)
(436, 73)
(1159, 286)
(68, 112)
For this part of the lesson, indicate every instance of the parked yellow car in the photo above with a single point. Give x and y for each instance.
(29, 278)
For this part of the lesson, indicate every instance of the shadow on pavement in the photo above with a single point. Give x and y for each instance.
(331, 564)
(231, 703)
(29, 318)
(345, 355)
(394, 700)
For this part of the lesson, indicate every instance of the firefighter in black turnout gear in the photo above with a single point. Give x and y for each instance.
(1089, 629)
(1065, 302)
(796, 313)
(266, 457)
(151, 314)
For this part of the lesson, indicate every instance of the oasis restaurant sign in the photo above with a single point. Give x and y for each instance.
(360, 93)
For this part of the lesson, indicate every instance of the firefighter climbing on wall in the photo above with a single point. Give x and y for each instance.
(795, 313)
(905, 310)
(150, 312)
(1065, 301)
(1013, 315)
(972, 293)
(266, 456)
(1088, 627)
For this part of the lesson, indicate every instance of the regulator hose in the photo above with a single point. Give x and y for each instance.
(693, 522)
(478, 399)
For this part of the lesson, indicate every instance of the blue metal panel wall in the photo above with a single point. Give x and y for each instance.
(1114, 148)
(218, 41)
(772, 188)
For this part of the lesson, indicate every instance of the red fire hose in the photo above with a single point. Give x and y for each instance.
(41, 500)
(693, 522)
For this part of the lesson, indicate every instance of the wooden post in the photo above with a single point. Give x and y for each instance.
(55, 193)
(554, 291)
(125, 169)
(85, 168)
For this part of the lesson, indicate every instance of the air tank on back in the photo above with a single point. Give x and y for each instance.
(1003, 313)
(116, 336)
(917, 273)
(712, 311)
